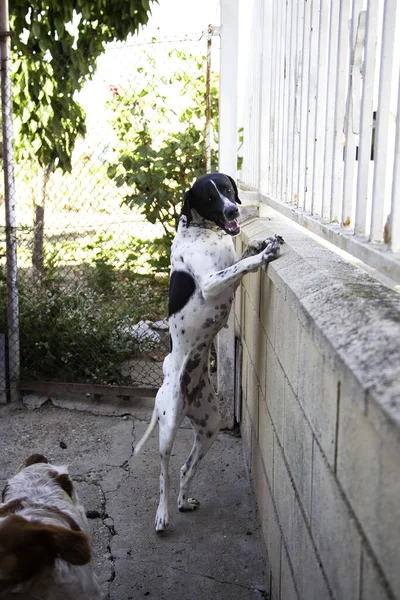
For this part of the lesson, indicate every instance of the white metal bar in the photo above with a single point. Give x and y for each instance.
(256, 91)
(286, 57)
(352, 119)
(382, 121)
(265, 99)
(366, 119)
(394, 223)
(343, 52)
(303, 105)
(299, 64)
(210, 32)
(296, 105)
(311, 106)
(228, 164)
(228, 87)
(271, 165)
(321, 108)
(330, 112)
(278, 84)
(291, 74)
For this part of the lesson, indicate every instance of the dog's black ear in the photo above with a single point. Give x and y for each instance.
(238, 201)
(186, 207)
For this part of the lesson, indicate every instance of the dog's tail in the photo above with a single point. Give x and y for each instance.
(139, 446)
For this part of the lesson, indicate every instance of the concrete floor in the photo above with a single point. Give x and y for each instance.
(214, 552)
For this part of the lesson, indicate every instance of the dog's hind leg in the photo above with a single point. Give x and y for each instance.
(204, 417)
(169, 415)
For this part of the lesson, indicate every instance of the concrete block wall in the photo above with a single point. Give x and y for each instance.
(321, 419)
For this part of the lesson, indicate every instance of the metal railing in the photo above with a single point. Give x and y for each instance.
(320, 118)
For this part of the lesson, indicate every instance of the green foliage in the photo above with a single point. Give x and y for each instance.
(161, 148)
(82, 335)
(56, 47)
(80, 326)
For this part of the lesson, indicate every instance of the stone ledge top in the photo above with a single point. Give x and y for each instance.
(355, 320)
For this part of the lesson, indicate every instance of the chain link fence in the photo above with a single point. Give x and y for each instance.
(93, 240)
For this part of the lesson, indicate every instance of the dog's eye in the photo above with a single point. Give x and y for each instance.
(210, 199)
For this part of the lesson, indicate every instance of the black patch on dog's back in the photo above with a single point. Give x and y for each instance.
(181, 288)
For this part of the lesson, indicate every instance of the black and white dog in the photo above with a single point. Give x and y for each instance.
(204, 276)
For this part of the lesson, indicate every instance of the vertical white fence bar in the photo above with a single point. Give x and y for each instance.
(303, 105)
(285, 100)
(265, 99)
(330, 111)
(341, 78)
(321, 108)
(208, 99)
(276, 91)
(366, 119)
(291, 75)
(311, 106)
(258, 29)
(272, 114)
(395, 207)
(297, 103)
(382, 121)
(227, 164)
(352, 118)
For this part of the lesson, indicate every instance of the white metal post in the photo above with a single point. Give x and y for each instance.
(366, 119)
(381, 157)
(227, 164)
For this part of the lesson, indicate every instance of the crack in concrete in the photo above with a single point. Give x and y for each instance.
(223, 582)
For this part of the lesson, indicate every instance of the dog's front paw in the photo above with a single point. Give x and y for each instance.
(272, 248)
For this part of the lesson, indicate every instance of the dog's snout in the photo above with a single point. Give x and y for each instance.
(232, 213)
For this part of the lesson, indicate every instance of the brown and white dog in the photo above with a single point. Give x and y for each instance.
(45, 550)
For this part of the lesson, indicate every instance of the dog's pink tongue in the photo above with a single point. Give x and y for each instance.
(231, 225)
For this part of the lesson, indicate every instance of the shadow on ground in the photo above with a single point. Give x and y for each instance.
(212, 553)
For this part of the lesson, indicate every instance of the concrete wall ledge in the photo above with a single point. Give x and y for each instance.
(355, 320)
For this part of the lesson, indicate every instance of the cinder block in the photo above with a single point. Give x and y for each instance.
(237, 308)
(267, 306)
(310, 581)
(372, 587)
(287, 339)
(298, 447)
(252, 283)
(269, 524)
(370, 477)
(266, 440)
(273, 539)
(334, 532)
(284, 496)
(253, 332)
(288, 590)
(260, 359)
(275, 390)
(318, 394)
(308, 575)
(252, 395)
(246, 432)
